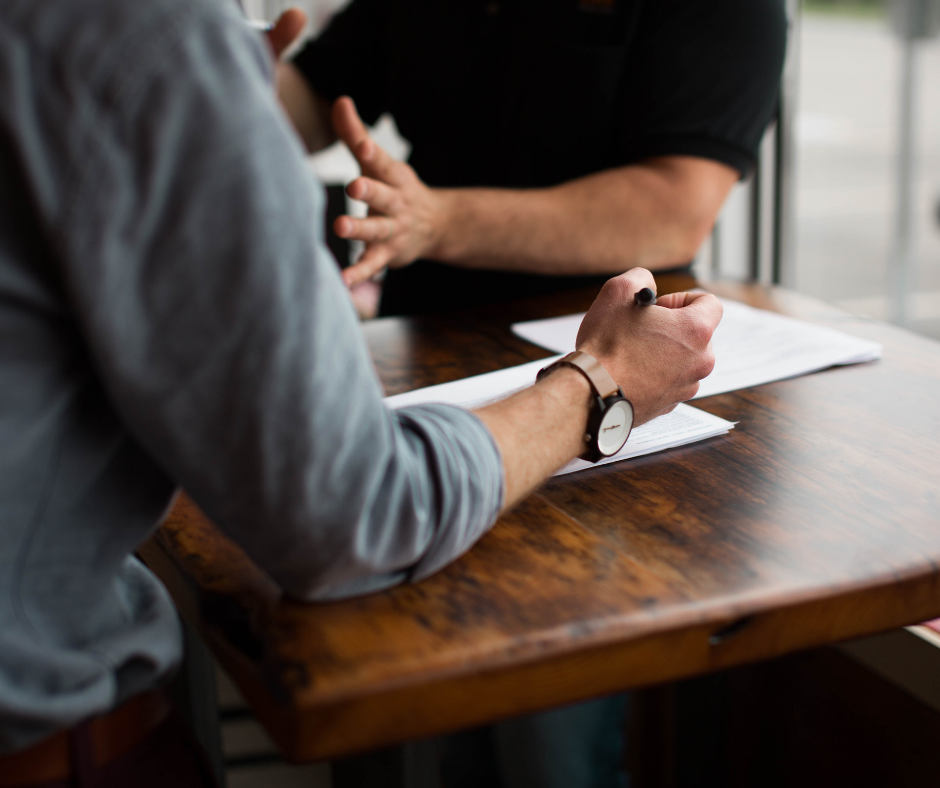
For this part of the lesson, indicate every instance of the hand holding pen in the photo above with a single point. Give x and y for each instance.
(668, 349)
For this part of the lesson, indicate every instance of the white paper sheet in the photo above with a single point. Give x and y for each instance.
(684, 425)
(752, 346)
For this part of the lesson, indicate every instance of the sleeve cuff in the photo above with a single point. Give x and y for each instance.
(470, 480)
(704, 147)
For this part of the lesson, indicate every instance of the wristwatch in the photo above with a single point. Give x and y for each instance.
(611, 416)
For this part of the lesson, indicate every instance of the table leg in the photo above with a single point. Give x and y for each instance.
(422, 764)
(411, 765)
(193, 691)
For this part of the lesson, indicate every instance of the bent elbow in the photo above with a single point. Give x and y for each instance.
(693, 232)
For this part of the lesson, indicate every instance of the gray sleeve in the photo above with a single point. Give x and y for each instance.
(192, 250)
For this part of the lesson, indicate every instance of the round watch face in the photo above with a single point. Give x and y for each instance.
(615, 428)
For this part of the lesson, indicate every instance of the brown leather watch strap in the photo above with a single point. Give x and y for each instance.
(592, 369)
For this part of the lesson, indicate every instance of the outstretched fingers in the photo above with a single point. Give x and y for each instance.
(379, 197)
(374, 229)
(374, 161)
(373, 260)
(347, 124)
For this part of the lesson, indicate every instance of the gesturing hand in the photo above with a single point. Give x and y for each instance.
(657, 354)
(405, 216)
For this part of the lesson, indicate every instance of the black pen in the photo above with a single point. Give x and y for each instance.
(645, 297)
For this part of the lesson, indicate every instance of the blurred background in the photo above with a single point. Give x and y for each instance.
(847, 140)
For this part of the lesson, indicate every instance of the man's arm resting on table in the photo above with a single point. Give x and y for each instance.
(226, 341)
(539, 430)
(652, 214)
(657, 355)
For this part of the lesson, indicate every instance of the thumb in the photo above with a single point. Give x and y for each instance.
(286, 29)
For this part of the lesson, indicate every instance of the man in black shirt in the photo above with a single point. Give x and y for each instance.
(554, 143)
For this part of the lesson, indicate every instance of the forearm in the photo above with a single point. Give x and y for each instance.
(308, 111)
(654, 215)
(539, 430)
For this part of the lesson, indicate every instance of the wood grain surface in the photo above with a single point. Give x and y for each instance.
(816, 519)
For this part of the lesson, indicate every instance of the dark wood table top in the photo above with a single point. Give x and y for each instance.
(816, 519)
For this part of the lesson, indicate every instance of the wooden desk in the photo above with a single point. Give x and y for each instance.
(817, 519)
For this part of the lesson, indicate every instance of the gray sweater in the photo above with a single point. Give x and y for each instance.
(169, 316)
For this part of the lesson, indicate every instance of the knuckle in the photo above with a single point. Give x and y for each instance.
(699, 333)
(639, 278)
(719, 307)
(618, 288)
(707, 364)
(715, 309)
(625, 285)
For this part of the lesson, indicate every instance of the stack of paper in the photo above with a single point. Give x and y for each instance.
(752, 346)
(684, 425)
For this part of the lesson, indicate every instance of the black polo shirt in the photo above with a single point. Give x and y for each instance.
(529, 93)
